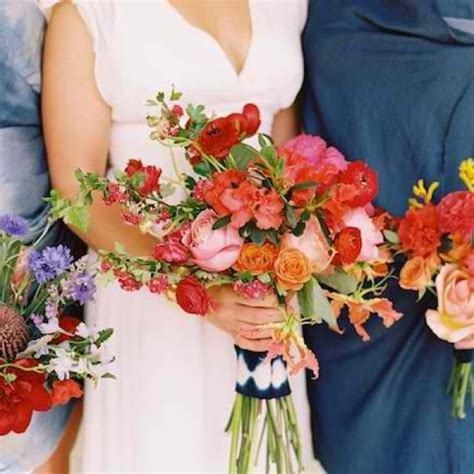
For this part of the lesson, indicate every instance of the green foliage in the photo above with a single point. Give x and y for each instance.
(339, 281)
(221, 222)
(314, 304)
(391, 237)
(196, 114)
(203, 169)
(242, 155)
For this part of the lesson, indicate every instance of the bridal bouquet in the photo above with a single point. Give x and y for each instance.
(438, 241)
(295, 221)
(45, 355)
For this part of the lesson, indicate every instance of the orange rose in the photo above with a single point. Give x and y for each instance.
(293, 269)
(257, 259)
(415, 274)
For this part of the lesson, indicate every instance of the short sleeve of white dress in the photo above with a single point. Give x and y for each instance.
(98, 17)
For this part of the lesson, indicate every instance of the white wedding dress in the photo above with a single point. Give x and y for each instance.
(167, 410)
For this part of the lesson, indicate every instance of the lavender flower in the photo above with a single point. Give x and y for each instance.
(13, 225)
(82, 287)
(49, 263)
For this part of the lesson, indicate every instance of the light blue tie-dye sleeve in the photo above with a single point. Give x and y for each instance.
(23, 183)
(23, 171)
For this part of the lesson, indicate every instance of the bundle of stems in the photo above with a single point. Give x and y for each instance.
(276, 421)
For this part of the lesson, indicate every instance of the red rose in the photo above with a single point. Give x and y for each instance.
(68, 324)
(64, 390)
(19, 398)
(192, 297)
(348, 244)
(456, 214)
(365, 179)
(419, 231)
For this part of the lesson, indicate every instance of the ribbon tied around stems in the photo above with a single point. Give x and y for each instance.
(257, 378)
(464, 356)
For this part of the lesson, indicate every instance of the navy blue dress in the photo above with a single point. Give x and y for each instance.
(390, 82)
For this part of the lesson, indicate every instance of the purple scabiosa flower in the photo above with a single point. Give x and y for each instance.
(13, 225)
(82, 287)
(49, 263)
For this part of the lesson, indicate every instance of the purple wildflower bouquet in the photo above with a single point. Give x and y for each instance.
(45, 355)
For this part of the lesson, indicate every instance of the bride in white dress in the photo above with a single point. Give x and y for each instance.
(103, 59)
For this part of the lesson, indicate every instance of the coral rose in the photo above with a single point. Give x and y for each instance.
(453, 321)
(256, 259)
(312, 243)
(293, 269)
(415, 274)
(214, 250)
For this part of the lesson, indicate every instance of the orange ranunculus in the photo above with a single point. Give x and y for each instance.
(257, 259)
(415, 274)
(293, 269)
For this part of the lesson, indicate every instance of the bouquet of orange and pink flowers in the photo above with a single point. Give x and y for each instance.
(295, 221)
(438, 240)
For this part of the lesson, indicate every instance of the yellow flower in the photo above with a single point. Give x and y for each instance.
(466, 173)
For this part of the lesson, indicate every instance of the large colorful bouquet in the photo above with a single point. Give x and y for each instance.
(296, 221)
(438, 240)
(45, 355)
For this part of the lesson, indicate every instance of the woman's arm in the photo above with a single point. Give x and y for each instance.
(285, 125)
(77, 126)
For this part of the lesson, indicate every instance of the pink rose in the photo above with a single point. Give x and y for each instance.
(312, 243)
(371, 236)
(212, 250)
(453, 321)
(171, 252)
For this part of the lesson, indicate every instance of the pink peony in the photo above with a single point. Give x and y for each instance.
(314, 150)
(212, 250)
(312, 243)
(453, 321)
(371, 236)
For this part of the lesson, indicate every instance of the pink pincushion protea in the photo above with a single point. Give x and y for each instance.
(13, 333)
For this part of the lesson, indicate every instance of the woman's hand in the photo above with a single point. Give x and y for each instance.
(243, 318)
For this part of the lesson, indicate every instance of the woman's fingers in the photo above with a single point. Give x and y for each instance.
(246, 314)
(260, 345)
(256, 333)
(269, 301)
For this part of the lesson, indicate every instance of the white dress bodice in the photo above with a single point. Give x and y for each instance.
(167, 409)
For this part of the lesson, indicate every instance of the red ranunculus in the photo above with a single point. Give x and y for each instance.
(22, 396)
(419, 231)
(249, 120)
(150, 176)
(212, 193)
(456, 214)
(192, 297)
(64, 390)
(348, 244)
(133, 166)
(219, 136)
(68, 324)
(365, 179)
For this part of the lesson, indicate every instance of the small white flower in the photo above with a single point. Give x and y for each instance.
(62, 364)
(86, 332)
(50, 327)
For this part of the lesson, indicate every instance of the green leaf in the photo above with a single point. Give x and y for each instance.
(120, 249)
(301, 186)
(299, 229)
(175, 95)
(339, 281)
(167, 190)
(290, 216)
(257, 236)
(77, 216)
(203, 169)
(221, 222)
(273, 236)
(242, 155)
(104, 334)
(190, 182)
(391, 236)
(265, 278)
(314, 304)
(264, 140)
